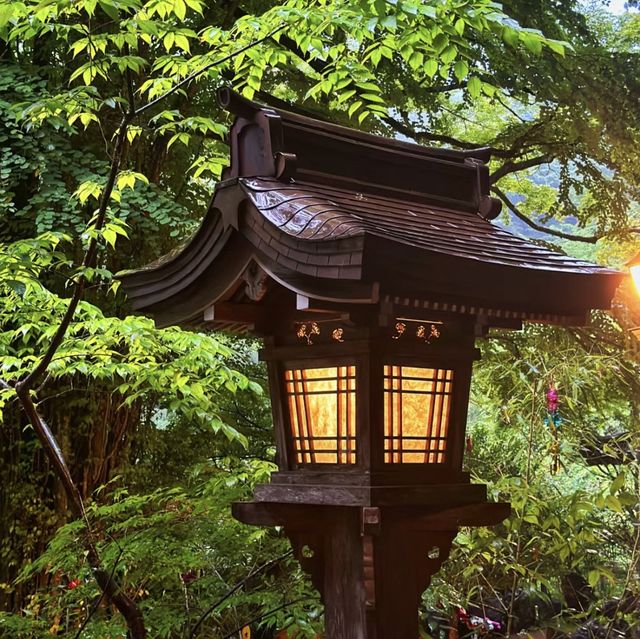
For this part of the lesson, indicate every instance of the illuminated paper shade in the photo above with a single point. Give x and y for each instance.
(322, 409)
(417, 405)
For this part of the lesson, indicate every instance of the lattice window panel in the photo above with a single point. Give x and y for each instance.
(417, 406)
(322, 407)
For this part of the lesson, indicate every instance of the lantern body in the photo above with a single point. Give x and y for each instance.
(376, 409)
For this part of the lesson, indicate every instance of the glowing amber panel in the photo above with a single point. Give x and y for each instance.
(322, 409)
(417, 406)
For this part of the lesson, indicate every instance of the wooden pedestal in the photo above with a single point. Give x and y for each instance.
(370, 564)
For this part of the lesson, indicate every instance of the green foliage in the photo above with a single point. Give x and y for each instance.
(184, 371)
(581, 520)
(177, 550)
(190, 431)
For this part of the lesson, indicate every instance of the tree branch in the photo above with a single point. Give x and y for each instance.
(52, 450)
(92, 250)
(124, 604)
(206, 67)
(424, 136)
(96, 605)
(130, 89)
(23, 388)
(590, 239)
(88, 262)
(511, 166)
(235, 589)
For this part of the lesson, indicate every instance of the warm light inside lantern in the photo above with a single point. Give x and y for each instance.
(417, 406)
(634, 269)
(322, 409)
(635, 274)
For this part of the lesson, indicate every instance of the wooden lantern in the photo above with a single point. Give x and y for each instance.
(369, 266)
(378, 410)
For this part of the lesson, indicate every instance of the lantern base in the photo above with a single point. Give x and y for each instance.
(370, 564)
(444, 495)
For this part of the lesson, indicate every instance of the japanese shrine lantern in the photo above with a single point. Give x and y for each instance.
(369, 266)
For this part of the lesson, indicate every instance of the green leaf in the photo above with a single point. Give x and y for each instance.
(557, 47)
(440, 42)
(474, 86)
(389, 22)
(354, 107)
(461, 70)
(110, 237)
(614, 503)
(449, 54)
(180, 9)
(182, 42)
(169, 40)
(431, 67)
(531, 42)
(416, 60)
(618, 482)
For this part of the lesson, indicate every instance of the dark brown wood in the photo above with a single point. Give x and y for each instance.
(426, 518)
(458, 418)
(284, 452)
(404, 563)
(370, 565)
(261, 134)
(334, 494)
(361, 212)
(481, 514)
(361, 475)
(368, 418)
(343, 590)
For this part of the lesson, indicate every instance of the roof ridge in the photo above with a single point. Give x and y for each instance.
(267, 142)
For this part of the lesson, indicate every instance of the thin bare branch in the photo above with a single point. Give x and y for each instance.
(512, 166)
(23, 389)
(88, 262)
(52, 450)
(96, 605)
(425, 136)
(124, 604)
(235, 589)
(590, 239)
(205, 68)
(130, 89)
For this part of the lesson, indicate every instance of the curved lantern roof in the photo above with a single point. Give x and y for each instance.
(343, 217)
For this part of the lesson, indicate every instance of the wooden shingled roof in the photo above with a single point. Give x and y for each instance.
(334, 214)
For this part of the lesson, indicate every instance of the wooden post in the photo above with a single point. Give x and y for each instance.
(343, 588)
(371, 565)
(371, 574)
(404, 569)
